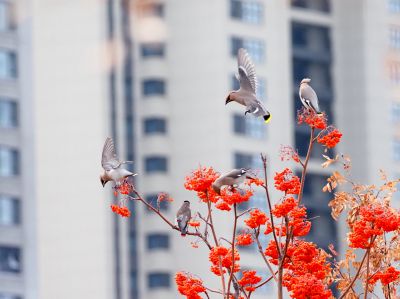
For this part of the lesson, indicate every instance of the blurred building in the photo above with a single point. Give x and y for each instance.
(155, 75)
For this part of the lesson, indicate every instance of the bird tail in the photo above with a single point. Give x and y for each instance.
(184, 231)
(267, 118)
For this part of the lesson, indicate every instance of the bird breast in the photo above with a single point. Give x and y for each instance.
(118, 174)
(239, 97)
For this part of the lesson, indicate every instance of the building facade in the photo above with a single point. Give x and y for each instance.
(154, 75)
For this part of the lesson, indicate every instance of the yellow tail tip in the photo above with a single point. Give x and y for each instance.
(267, 118)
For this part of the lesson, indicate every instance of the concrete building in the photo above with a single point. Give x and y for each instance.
(155, 75)
(56, 237)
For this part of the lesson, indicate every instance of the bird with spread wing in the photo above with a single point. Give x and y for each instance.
(246, 94)
(113, 170)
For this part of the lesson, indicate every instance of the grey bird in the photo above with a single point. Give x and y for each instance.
(112, 165)
(246, 94)
(308, 96)
(183, 217)
(233, 178)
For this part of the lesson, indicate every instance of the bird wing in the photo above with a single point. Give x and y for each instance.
(308, 94)
(109, 158)
(247, 72)
(183, 220)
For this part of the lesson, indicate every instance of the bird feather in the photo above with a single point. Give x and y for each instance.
(247, 71)
(109, 158)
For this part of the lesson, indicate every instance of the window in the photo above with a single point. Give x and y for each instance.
(394, 37)
(151, 10)
(156, 164)
(247, 161)
(247, 11)
(396, 149)
(159, 280)
(152, 200)
(261, 89)
(9, 210)
(153, 87)
(395, 72)
(312, 38)
(235, 83)
(6, 16)
(323, 228)
(157, 241)
(319, 5)
(394, 6)
(9, 296)
(8, 114)
(249, 126)
(9, 161)
(313, 186)
(255, 48)
(10, 259)
(8, 64)
(153, 50)
(395, 112)
(155, 125)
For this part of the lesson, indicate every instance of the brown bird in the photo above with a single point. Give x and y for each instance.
(112, 165)
(246, 94)
(233, 178)
(183, 217)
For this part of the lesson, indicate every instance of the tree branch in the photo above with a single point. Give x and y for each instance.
(358, 271)
(260, 250)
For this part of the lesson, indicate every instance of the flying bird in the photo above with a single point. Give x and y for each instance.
(183, 216)
(233, 178)
(112, 165)
(246, 95)
(308, 96)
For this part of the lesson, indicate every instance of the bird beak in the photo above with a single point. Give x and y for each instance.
(228, 99)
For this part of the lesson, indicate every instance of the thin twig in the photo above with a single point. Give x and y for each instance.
(367, 279)
(216, 244)
(233, 247)
(264, 159)
(266, 281)
(260, 250)
(358, 271)
(245, 212)
(304, 171)
(341, 274)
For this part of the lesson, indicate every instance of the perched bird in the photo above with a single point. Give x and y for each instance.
(308, 96)
(183, 216)
(233, 178)
(112, 166)
(246, 95)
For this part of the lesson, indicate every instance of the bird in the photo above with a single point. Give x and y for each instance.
(246, 94)
(308, 96)
(183, 216)
(112, 165)
(233, 178)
